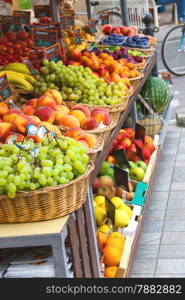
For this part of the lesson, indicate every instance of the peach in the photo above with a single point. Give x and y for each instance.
(148, 139)
(46, 100)
(11, 114)
(150, 147)
(15, 137)
(56, 95)
(28, 110)
(1, 120)
(90, 139)
(36, 119)
(84, 109)
(64, 109)
(3, 108)
(5, 129)
(89, 124)
(50, 127)
(78, 114)
(75, 133)
(101, 115)
(45, 113)
(32, 102)
(20, 123)
(69, 121)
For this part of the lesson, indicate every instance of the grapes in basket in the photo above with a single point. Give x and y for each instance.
(26, 166)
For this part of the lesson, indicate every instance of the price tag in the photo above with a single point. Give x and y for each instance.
(70, 17)
(49, 26)
(44, 38)
(121, 178)
(121, 158)
(77, 36)
(11, 23)
(28, 63)
(5, 89)
(53, 53)
(139, 132)
(41, 11)
(139, 152)
(110, 209)
(25, 15)
(63, 22)
(105, 19)
(92, 26)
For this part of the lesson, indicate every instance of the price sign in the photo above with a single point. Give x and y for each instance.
(121, 158)
(44, 38)
(28, 63)
(53, 53)
(63, 22)
(121, 178)
(11, 23)
(139, 132)
(6, 92)
(110, 209)
(70, 17)
(105, 19)
(41, 11)
(77, 36)
(92, 26)
(25, 15)
(49, 26)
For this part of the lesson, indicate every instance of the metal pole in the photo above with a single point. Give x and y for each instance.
(124, 12)
(88, 5)
(54, 4)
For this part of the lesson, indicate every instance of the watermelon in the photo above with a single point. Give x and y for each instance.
(157, 92)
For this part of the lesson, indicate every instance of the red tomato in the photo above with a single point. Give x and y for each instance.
(10, 51)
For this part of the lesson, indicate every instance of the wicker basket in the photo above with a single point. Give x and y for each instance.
(46, 203)
(135, 81)
(141, 66)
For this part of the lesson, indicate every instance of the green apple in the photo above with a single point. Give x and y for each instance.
(141, 164)
(132, 164)
(137, 174)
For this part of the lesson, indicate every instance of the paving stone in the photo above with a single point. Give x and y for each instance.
(175, 214)
(157, 187)
(173, 140)
(162, 180)
(142, 275)
(155, 214)
(176, 195)
(164, 157)
(182, 146)
(173, 238)
(162, 196)
(181, 151)
(174, 134)
(153, 226)
(180, 163)
(166, 164)
(152, 238)
(170, 275)
(177, 204)
(180, 157)
(149, 251)
(170, 266)
(158, 205)
(167, 171)
(144, 266)
(169, 150)
(172, 251)
(179, 175)
(171, 226)
(177, 186)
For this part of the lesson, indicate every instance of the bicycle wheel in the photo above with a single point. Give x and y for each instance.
(173, 50)
(115, 18)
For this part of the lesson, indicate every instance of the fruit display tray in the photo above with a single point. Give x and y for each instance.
(152, 162)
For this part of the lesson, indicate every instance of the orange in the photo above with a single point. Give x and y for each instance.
(112, 242)
(102, 238)
(112, 256)
(110, 272)
(117, 235)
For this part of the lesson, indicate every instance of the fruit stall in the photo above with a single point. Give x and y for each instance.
(75, 176)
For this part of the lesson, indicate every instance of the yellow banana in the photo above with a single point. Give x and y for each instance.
(17, 80)
(17, 67)
(29, 78)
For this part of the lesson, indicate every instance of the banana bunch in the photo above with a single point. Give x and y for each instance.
(19, 76)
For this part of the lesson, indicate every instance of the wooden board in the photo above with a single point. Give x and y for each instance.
(125, 257)
(152, 162)
(35, 228)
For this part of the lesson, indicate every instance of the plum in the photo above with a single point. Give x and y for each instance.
(138, 59)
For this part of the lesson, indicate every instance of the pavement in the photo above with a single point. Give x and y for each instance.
(161, 251)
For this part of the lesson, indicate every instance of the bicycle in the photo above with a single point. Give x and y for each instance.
(173, 50)
(114, 15)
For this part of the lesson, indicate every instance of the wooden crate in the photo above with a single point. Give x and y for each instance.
(152, 162)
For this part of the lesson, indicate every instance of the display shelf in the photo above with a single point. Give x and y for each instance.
(101, 156)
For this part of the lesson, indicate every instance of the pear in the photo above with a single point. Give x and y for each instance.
(127, 209)
(121, 218)
(117, 201)
(100, 215)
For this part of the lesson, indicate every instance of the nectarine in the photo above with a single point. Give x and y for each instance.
(78, 114)
(69, 121)
(3, 108)
(46, 100)
(11, 114)
(56, 95)
(28, 110)
(89, 124)
(84, 109)
(5, 129)
(45, 113)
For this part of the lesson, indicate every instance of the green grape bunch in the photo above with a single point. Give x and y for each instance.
(57, 161)
(78, 84)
